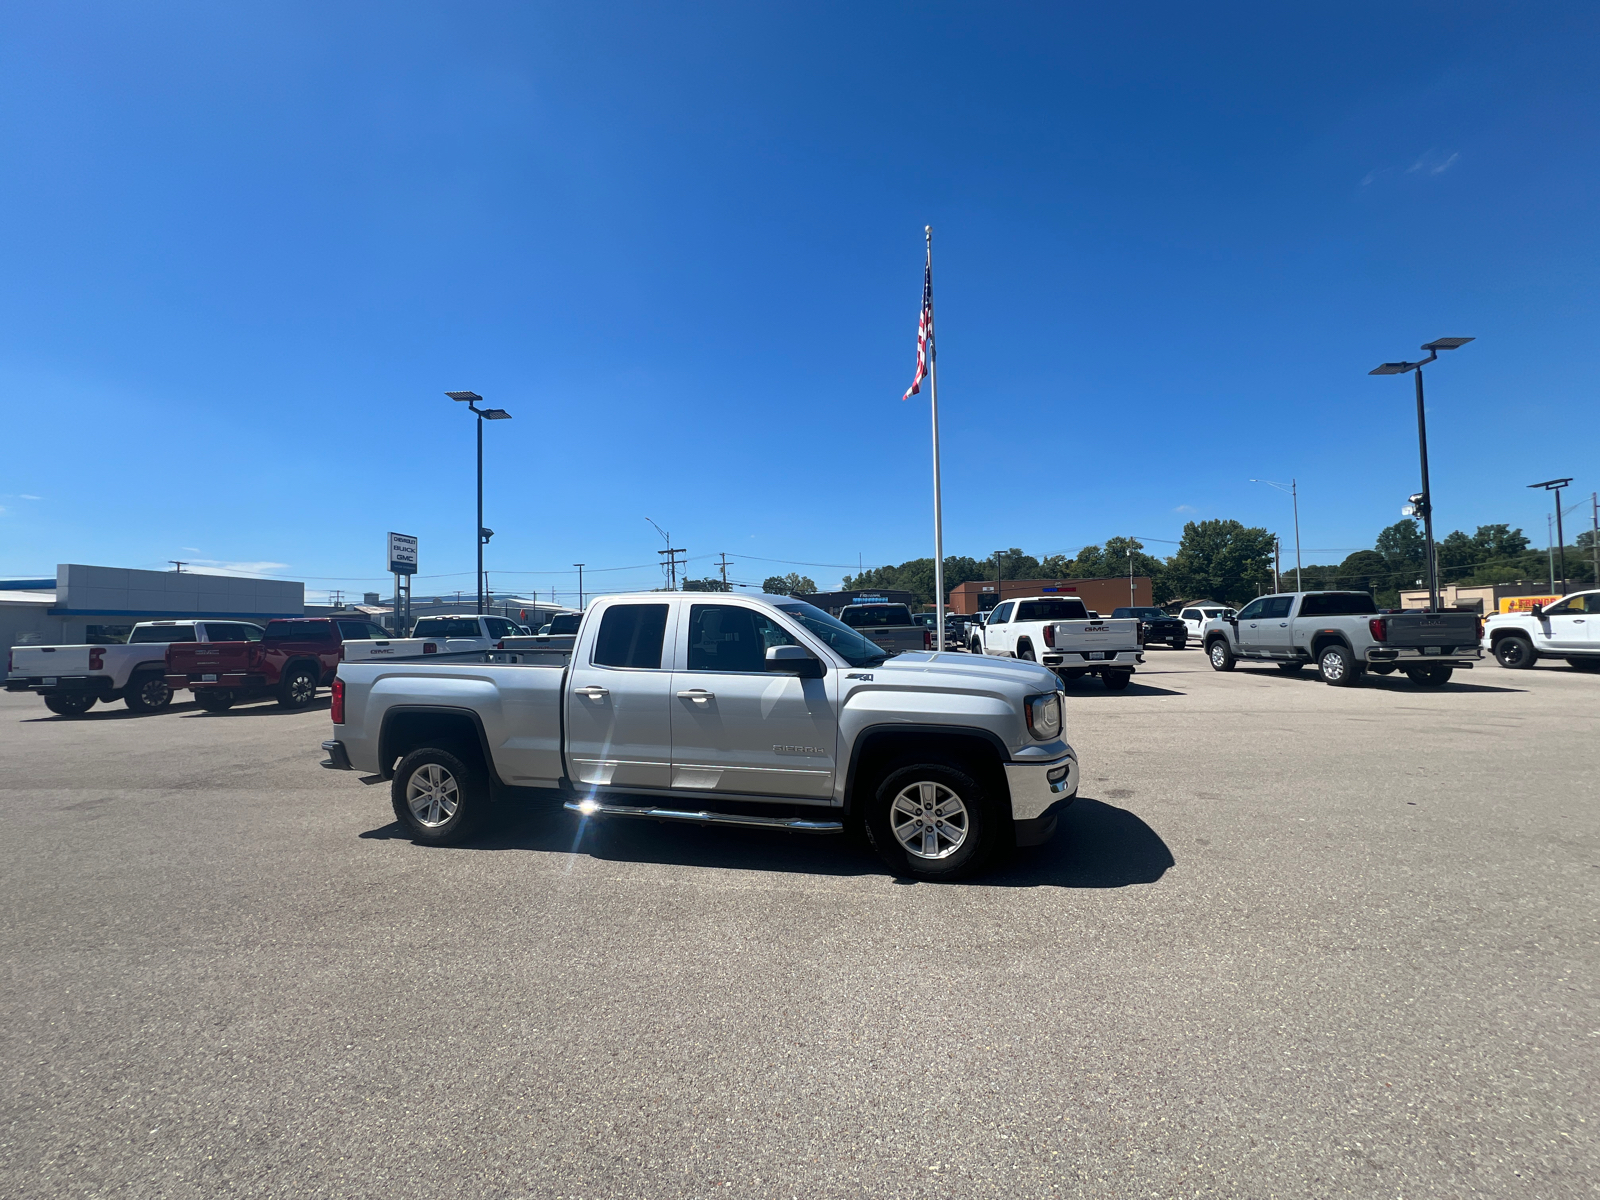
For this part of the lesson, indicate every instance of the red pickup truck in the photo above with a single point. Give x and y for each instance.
(293, 658)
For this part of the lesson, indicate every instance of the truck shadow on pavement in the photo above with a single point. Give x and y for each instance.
(1096, 845)
(1086, 688)
(1382, 683)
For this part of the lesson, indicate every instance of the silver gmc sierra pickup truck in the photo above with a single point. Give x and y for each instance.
(758, 711)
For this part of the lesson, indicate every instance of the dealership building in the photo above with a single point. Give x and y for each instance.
(100, 605)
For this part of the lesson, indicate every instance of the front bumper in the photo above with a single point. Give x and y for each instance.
(1075, 659)
(1037, 787)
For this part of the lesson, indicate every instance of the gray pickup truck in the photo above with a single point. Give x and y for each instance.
(758, 711)
(1344, 636)
(889, 625)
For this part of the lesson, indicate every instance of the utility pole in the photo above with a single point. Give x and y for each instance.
(723, 554)
(1555, 485)
(671, 565)
(1594, 545)
(580, 567)
(1131, 600)
(179, 565)
(998, 590)
(1550, 551)
(1277, 561)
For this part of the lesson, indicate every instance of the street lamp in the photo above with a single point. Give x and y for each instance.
(1294, 494)
(472, 400)
(1555, 485)
(1424, 506)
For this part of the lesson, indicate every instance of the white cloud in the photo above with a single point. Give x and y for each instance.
(208, 566)
(25, 496)
(1186, 508)
(1433, 162)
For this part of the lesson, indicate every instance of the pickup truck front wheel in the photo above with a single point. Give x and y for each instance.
(214, 699)
(147, 693)
(1515, 652)
(932, 821)
(1337, 666)
(1436, 676)
(437, 796)
(1219, 654)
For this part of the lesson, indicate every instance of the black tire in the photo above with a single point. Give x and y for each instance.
(214, 699)
(1337, 666)
(70, 704)
(1115, 681)
(1220, 656)
(1429, 676)
(1584, 664)
(976, 647)
(1180, 644)
(1515, 653)
(893, 822)
(1382, 669)
(147, 693)
(444, 778)
(1291, 668)
(298, 688)
(1025, 652)
(1072, 673)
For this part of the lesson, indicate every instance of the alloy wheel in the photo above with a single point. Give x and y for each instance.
(302, 688)
(929, 820)
(433, 795)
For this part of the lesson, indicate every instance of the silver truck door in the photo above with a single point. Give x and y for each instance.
(1249, 628)
(619, 724)
(1274, 626)
(736, 727)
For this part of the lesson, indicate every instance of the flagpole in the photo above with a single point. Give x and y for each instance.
(938, 502)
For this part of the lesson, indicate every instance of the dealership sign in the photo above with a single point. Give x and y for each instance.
(402, 554)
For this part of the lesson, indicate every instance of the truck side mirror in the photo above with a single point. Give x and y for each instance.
(793, 660)
(1537, 610)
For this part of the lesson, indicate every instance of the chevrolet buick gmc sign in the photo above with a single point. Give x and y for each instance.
(402, 554)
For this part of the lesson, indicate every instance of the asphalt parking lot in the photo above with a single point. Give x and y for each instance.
(1292, 941)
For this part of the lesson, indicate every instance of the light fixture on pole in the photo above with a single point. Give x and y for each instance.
(1555, 485)
(1425, 505)
(1294, 494)
(472, 400)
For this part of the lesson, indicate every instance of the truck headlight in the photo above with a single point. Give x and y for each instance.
(1044, 716)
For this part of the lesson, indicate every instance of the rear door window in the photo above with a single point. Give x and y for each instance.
(147, 635)
(631, 636)
(1002, 614)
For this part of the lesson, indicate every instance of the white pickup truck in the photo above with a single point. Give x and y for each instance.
(71, 679)
(1065, 636)
(756, 711)
(469, 631)
(1569, 629)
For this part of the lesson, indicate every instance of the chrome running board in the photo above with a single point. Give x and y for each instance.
(593, 808)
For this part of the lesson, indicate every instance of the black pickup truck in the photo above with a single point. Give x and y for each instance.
(1158, 626)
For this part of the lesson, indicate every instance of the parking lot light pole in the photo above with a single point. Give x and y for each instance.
(1555, 485)
(472, 399)
(1294, 494)
(1425, 505)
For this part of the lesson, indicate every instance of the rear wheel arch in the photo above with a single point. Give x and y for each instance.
(410, 727)
(1323, 640)
(880, 750)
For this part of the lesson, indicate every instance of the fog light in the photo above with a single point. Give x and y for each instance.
(1057, 774)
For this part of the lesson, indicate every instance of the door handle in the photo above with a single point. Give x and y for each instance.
(698, 695)
(592, 692)
(1283, 624)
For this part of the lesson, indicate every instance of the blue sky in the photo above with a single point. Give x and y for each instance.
(247, 248)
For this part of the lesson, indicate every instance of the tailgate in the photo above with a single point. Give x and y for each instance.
(51, 660)
(1119, 634)
(389, 648)
(1409, 630)
(207, 658)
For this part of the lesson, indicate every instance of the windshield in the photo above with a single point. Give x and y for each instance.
(849, 645)
(564, 623)
(875, 615)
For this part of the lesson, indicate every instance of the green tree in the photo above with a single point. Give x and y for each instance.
(1403, 552)
(791, 584)
(1221, 560)
(709, 584)
(1364, 571)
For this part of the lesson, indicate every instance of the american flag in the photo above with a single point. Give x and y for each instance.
(924, 329)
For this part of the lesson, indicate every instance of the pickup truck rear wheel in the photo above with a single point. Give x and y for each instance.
(147, 693)
(1429, 676)
(70, 704)
(438, 796)
(1115, 681)
(299, 688)
(1338, 666)
(1025, 653)
(976, 647)
(214, 699)
(1219, 654)
(932, 821)
(1515, 652)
